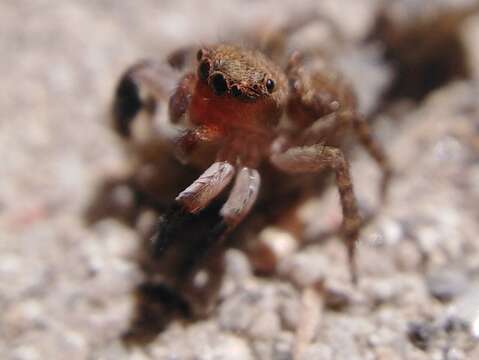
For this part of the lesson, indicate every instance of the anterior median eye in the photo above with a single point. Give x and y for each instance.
(204, 70)
(219, 84)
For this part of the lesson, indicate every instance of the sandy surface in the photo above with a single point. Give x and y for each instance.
(67, 289)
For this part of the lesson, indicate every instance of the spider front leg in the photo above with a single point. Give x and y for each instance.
(191, 201)
(312, 159)
(325, 106)
(198, 195)
(375, 150)
(362, 130)
(140, 88)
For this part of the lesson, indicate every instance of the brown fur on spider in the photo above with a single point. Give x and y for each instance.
(235, 113)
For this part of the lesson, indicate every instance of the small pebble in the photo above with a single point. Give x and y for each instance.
(420, 334)
(446, 284)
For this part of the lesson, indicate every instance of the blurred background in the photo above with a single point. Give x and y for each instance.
(67, 288)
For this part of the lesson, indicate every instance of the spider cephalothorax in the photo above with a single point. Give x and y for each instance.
(242, 73)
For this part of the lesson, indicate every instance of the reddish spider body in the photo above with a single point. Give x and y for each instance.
(230, 104)
(239, 110)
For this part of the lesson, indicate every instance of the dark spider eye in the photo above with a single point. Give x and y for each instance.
(204, 70)
(235, 91)
(270, 85)
(219, 84)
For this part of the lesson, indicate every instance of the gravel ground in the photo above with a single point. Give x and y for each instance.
(67, 288)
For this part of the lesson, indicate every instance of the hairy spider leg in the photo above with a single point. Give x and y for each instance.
(312, 159)
(140, 88)
(368, 141)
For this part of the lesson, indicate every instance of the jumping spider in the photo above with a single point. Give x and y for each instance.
(237, 113)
